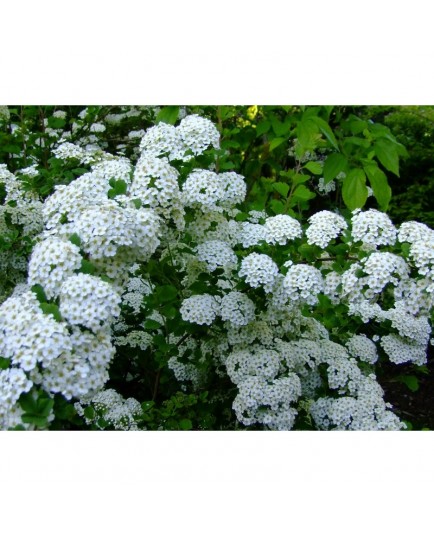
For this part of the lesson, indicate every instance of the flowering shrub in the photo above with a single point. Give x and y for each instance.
(147, 282)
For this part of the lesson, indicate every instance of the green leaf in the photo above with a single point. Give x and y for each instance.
(185, 424)
(44, 405)
(75, 239)
(167, 293)
(410, 381)
(27, 403)
(87, 267)
(40, 293)
(276, 142)
(326, 130)
(335, 163)
(168, 311)
(262, 128)
(354, 190)
(314, 167)
(277, 206)
(30, 418)
(168, 114)
(387, 155)
(282, 188)
(119, 188)
(4, 363)
(152, 324)
(51, 309)
(302, 193)
(89, 413)
(379, 184)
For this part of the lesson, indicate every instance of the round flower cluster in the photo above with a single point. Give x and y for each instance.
(216, 254)
(255, 361)
(400, 350)
(373, 228)
(362, 348)
(413, 231)
(267, 402)
(51, 263)
(381, 267)
(88, 301)
(110, 409)
(155, 183)
(324, 227)
(303, 283)
(237, 308)
(84, 369)
(192, 137)
(259, 271)
(104, 229)
(200, 309)
(13, 383)
(251, 234)
(282, 228)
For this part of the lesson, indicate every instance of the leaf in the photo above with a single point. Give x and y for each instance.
(89, 413)
(354, 190)
(276, 142)
(51, 309)
(302, 193)
(335, 163)
(152, 324)
(4, 363)
(326, 130)
(87, 267)
(262, 128)
(168, 114)
(282, 188)
(40, 293)
(30, 418)
(387, 155)
(185, 424)
(27, 403)
(410, 381)
(314, 167)
(277, 206)
(119, 188)
(379, 184)
(167, 293)
(75, 239)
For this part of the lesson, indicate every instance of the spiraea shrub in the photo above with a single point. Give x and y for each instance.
(145, 294)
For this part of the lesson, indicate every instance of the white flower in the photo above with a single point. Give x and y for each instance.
(200, 309)
(303, 283)
(215, 254)
(324, 227)
(282, 228)
(237, 308)
(259, 271)
(373, 228)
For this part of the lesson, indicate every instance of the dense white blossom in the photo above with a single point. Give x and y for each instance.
(216, 254)
(373, 228)
(303, 283)
(237, 308)
(200, 309)
(259, 271)
(324, 227)
(362, 348)
(88, 301)
(282, 228)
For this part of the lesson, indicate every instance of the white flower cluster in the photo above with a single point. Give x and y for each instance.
(237, 308)
(216, 254)
(324, 227)
(259, 270)
(200, 309)
(88, 301)
(282, 228)
(192, 137)
(110, 409)
(373, 228)
(303, 283)
(362, 348)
